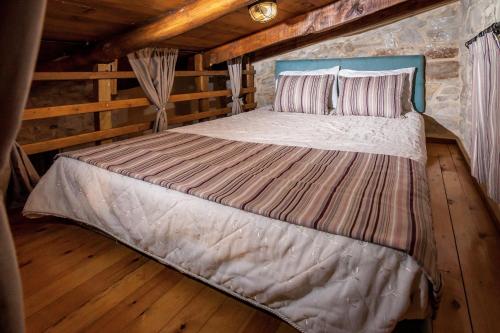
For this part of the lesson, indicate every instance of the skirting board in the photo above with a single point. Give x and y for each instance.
(492, 206)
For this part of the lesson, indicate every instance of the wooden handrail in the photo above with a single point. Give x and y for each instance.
(59, 143)
(58, 76)
(73, 109)
(68, 110)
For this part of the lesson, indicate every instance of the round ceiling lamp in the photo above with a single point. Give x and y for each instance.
(263, 11)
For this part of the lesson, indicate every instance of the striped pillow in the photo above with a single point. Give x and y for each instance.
(303, 94)
(378, 96)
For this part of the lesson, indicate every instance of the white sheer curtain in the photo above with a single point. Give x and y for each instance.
(155, 70)
(485, 145)
(235, 69)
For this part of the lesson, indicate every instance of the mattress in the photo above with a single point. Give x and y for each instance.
(316, 281)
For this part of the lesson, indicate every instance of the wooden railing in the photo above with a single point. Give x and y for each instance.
(105, 82)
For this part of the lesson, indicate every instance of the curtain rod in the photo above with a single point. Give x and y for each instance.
(495, 27)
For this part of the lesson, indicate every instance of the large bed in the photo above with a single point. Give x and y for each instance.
(315, 280)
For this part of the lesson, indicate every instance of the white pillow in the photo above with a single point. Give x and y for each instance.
(407, 89)
(332, 100)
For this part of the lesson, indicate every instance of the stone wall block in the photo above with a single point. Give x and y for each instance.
(442, 70)
(441, 52)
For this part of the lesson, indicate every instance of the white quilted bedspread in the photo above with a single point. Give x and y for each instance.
(318, 282)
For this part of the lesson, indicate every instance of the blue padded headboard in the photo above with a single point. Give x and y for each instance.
(367, 64)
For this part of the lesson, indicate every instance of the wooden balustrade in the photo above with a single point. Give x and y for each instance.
(105, 78)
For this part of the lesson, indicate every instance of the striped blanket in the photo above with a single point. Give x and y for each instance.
(370, 197)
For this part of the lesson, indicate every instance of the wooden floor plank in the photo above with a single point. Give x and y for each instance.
(285, 328)
(476, 205)
(41, 239)
(27, 233)
(54, 270)
(196, 313)
(239, 313)
(57, 261)
(120, 316)
(166, 307)
(261, 322)
(478, 247)
(58, 246)
(78, 279)
(98, 261)
(82, 317)
(73, 300)
(453, 302)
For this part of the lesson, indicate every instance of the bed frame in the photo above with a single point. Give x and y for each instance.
(367, 64)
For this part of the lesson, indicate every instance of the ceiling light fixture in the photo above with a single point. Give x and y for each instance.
(263, 11)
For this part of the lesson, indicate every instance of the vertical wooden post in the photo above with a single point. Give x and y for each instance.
(250, 97)
(113, 67)
(103, 89)
(220, 83)
(201, 82)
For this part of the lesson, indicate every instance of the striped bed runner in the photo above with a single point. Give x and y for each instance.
(370, 197)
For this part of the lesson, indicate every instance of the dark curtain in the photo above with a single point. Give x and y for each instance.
(20, 32)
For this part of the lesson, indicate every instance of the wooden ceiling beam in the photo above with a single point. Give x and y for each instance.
(317, 22)
(193, 15)
(400, 12)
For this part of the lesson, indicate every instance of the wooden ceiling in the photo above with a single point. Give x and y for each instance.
(91, 21)
(91, 31)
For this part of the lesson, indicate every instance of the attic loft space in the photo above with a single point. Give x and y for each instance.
(277, 166)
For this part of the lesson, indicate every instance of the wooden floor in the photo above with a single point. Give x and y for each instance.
(77, 280)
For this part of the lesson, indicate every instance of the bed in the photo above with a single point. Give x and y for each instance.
(316, 281)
